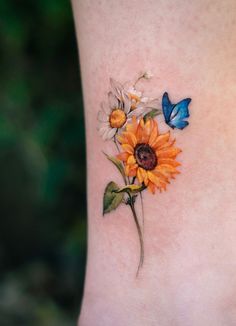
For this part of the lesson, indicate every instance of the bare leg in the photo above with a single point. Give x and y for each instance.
(188, 276)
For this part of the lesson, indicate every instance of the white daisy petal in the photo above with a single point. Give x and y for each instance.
(104, 127)
(103, 130)
(133, 91)
(111, 133)
(107, 134)
(140, 111)
(104, 136)
(105, 108)
(127, 102)
(113, 100)
(102, 116)
(102, 124)
(116, 87)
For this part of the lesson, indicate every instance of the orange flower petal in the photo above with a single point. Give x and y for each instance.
(163, 186)
(133, 172)
(167, 170)
(148, 127)
(127, 168)
(130, 137)
(167, 145)
(160, 175)
(168, 161)
(123, 156)
(151, 187)
(139, 133)
(141, 123)
(171, 152)
(128, 148)
(132, 127)
(131, 160)
(122, 139)
(154, 134)
(153, 178)
(163, 171)
(139, 175)
(160, 140)
(145, 137)
(144, 175)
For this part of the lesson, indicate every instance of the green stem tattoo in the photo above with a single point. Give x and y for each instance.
(141, 258)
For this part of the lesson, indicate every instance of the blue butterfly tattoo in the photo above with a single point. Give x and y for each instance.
(175, 114)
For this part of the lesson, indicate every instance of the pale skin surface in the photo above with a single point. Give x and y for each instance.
(189, 272)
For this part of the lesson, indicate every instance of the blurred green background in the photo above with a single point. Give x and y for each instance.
(42, 165)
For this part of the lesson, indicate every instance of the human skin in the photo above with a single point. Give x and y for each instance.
(188, 277)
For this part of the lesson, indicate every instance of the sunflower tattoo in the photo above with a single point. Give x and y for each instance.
(146, 157)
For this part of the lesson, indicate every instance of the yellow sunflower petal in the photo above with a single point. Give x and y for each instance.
(131, 160)
(163, 186)
(151, 187)
(123, 156)
(163, 171)
(167, 171)
(154, 134)
(171, 152)
(127, 168)
(133, 171)
(141, 123)
(168, 161)
(145, 137)
(160, 175)
(144, 175)
(128, 148)
(167, 145)
(133, 125)
(160, 140)
(122, 139)
(148, 127)
(130, 137)
(139, 175)
(139, 133)
(153, 178)
(167, 168)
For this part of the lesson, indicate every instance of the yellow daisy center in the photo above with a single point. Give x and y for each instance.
(117, 118)
(145, 156)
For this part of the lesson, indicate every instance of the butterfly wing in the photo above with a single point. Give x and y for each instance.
(167, 107)
(181, 124)
(179, 113)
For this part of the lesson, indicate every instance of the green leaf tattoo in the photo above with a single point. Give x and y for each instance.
(111, 198)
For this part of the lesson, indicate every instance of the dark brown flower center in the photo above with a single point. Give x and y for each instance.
(145, 156)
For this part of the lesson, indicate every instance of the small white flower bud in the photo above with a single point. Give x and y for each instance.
(147, 75)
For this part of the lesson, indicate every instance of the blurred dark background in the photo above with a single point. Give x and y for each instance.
(42, 165)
